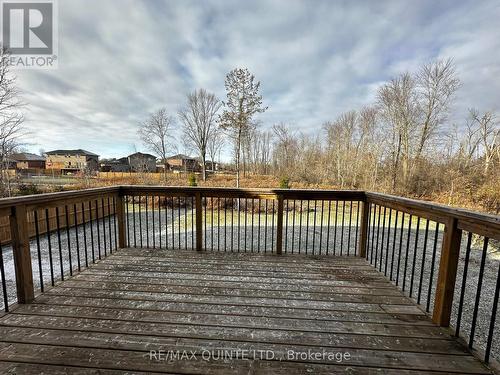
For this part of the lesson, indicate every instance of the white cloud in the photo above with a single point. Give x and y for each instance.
(121, 60)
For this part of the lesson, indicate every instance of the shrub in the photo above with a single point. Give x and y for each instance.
(192, 180)
(285, 183)
(28, 189)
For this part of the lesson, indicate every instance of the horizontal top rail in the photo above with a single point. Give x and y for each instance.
(305, 194)
(47, 199)
(481, 223)
(473, 221)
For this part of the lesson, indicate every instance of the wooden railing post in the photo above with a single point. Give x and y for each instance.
(22, 255)
(279, 226)
(363, 233)
(445, 287)
(199, 222)
(120, 216)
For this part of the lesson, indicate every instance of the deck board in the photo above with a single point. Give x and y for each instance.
(108, 318)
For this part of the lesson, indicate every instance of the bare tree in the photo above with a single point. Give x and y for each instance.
(215, 145)
(198, 119)
(155, 133)
(11, 121)
(488, 131)
(243, 102)
(436, 84)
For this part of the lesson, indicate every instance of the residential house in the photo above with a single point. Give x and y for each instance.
(28, 162)
(183, 163)
(72, 161)
(141, 162)
(115, 165)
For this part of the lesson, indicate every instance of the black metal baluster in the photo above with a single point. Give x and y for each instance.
(492, 320)
(238, 210)
(153, 222)
(357, 227)
(382, 241)
(84, 226)
(49, 243)
(300, 227)
(464, 284)
(335, 228)
(369, 230)
(4, 284)
(185, 224)
(293, 225)
(104, 228)
(342, 231)
(374, 217)
(431, 275)
(394, 244)
(265, 229)
(328, 227)
(307, 226)
(422, 266)
(252, 225)
(414, 257)
(68, 238)
(192, 222)
(272, 228)
(400, 247)
(179, 221)
(38, 250)
(172, 216)
(285, 209)
(314, 226)
(133, 221)
(140, 222)
(77, 239)
(258, 226)
(218, 224)
(127, 219)
(98, 230)
(115, 230)
(159, 222)
(388, 242)
(58, 226)
(349, 231)
(165, 203)
(232, 224)
(245, 233)
(478, 292)
(212, 225)
(147, 221)
(321, 225)
(225, 224)
(378, 235)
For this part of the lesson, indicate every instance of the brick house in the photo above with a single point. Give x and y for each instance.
(72, 161)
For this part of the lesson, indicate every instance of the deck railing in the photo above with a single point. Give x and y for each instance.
(437, 255)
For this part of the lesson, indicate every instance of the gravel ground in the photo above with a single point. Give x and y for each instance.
(315, 239)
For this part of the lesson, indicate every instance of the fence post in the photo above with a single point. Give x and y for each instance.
(22, 256)
(279, 226)
(199, 222)
(445, 287)
(120, 216)
(363, 235)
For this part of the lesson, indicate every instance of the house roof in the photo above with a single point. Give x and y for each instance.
(71, 152)
(26, 156)
(142, 154)
(181, 156)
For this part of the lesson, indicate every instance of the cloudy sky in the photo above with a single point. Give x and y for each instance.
(120, 60)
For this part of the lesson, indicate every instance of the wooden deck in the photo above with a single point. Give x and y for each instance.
(317, 315)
